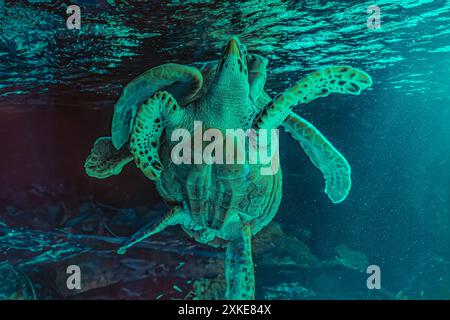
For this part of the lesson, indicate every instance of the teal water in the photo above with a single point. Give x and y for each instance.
(58, 86)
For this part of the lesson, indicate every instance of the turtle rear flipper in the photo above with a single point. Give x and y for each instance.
(239, 270)
(323, 155)
(105, 160)
(176, 215)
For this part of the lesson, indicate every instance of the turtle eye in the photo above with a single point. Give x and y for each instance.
(243, 50)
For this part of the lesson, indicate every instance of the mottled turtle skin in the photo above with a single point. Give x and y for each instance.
(222, 205)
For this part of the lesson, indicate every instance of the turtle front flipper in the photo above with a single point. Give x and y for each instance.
(323, 155)
(175, 216)
(183, 82)
(239, 270)
(257, 74)
(151, 119)
(105, 160)
(334, 79)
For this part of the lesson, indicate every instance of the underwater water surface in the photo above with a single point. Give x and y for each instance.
(57, 91)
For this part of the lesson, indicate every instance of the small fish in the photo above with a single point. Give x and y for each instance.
(177, 288)
(180, 265)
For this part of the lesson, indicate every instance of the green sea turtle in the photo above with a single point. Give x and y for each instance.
(222, 205)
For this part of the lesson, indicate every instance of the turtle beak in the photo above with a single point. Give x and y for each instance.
(232, 48)
(232, 60)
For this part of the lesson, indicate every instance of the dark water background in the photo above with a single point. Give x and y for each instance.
(58, 86)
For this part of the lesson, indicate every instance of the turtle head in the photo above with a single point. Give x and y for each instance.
(230, 81)
(232, 69)
(229, 94)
